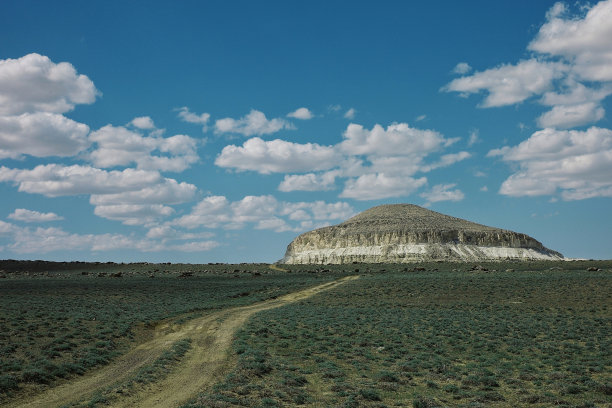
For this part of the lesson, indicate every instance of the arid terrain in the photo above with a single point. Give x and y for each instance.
(216, 335)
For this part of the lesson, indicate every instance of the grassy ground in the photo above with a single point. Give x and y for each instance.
(526, 334)
(58, 322)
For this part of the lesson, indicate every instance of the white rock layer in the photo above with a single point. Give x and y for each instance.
(403, 233)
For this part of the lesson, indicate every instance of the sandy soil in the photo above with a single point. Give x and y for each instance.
(205, 363)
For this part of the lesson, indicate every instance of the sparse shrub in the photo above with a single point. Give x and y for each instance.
(8, 383)
(422, 402)
(369, 394)
(388, 376)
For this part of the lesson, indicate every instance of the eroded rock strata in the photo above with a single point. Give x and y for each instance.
(400, 233)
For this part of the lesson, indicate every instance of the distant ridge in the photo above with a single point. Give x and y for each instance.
(398, 233)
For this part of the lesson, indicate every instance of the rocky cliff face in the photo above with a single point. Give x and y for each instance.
(408, 233)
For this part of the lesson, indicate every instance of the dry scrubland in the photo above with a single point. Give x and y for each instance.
(533, 334)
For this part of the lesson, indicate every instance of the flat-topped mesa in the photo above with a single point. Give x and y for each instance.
(399, 233)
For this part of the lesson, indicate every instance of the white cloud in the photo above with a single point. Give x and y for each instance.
(510, 84)
(118, 146)
(44, 240)
(376, 186)
(143, 122)
(309, 182)
(421, 117)
(167, 233)
(442, 192)
(263, 212)
(576, 163)
(578, 105)
(198, 246)
(6, 229)
(582, 41)
(41, 134)
(22, 214)
(484, 188)
(301, 113)
(273, 223)
(473, 137)
(446, 160)
(54, 180)
(277, 156)
(576, 93)
(34, 83)
(133, 214)
(191, 117)
(320, 210)
(161, 232)
(211, 212)
(569, 116)
(388, 156)
(350, 114)
(34, 92)
(568, 49)
(462, 68)
(25, 240)
(399, 139)
(254, 123)
(164, 191)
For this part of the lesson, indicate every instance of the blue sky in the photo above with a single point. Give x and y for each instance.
(218, 131)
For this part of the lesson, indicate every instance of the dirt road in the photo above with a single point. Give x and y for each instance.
(205, 363)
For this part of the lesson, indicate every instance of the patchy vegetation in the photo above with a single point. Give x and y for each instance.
(445, 335)
(422, 335)
(58, 323)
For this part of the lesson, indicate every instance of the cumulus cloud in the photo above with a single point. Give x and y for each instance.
(398, 139)
(190, 117)
(309, 182)
(462, 68)
(254, 123)
(168, 233)
(143, 122)
(134, 197)
(34, 92)
(576, 163)
(583, 41)
(197, 246)
(578, 105)
(571, 50)
(263, 212)
(41, 134)
(26, 240)
(380, 185)
(442, 192)
(388, 156)
(350, 114)
(54, 180)
(133, 214)
(446, 160)
(569, 116)
(473, 137)
(164, 191)
(510, 84)
(118, 146)
(277, 156)
(301, 113)
(22, 214)
(34, 83)
(45, 240)
(320, 210)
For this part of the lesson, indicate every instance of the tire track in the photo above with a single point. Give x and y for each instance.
(205, 363)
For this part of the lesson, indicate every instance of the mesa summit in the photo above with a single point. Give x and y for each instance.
(400, 233)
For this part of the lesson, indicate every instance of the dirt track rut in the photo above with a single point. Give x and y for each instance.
(204, 364)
